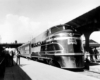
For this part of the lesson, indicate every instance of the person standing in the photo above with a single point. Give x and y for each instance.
(95, 54)
(12, 56)
(18, 57)
(91, 54)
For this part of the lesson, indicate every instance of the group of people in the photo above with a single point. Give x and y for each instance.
(9, 57)
(92, 54)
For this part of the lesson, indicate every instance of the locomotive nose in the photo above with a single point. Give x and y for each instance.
(72, 61)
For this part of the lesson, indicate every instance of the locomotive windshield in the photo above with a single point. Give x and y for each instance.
(56, 29)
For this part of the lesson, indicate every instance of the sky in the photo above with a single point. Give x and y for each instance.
(22, 20)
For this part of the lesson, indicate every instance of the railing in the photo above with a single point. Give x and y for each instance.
(2, 67)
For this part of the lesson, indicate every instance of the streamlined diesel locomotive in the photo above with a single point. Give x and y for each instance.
(59, 46)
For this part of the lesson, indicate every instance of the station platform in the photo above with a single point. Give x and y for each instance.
(32, 70)
(95, 67)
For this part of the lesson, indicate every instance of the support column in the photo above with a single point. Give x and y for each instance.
(87, 35)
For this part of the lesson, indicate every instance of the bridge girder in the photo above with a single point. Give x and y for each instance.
(10, 45)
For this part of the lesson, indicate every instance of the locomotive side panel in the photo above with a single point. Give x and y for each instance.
(36, 45)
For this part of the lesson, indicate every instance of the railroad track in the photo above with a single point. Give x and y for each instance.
(90, 73)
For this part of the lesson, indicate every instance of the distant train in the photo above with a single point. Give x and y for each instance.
(59, 46)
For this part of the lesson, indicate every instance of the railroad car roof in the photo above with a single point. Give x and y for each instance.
(24, 44)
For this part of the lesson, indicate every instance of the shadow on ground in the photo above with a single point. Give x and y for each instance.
(15, 73)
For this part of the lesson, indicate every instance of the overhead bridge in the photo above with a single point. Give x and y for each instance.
(10, 45)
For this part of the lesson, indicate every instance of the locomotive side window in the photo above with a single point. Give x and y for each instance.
(57, 47)
(43, 48)
(53, 47)
(50, 47)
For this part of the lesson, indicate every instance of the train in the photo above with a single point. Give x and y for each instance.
(59, 46)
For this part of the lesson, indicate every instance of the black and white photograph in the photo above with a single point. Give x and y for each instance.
(49, 39)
